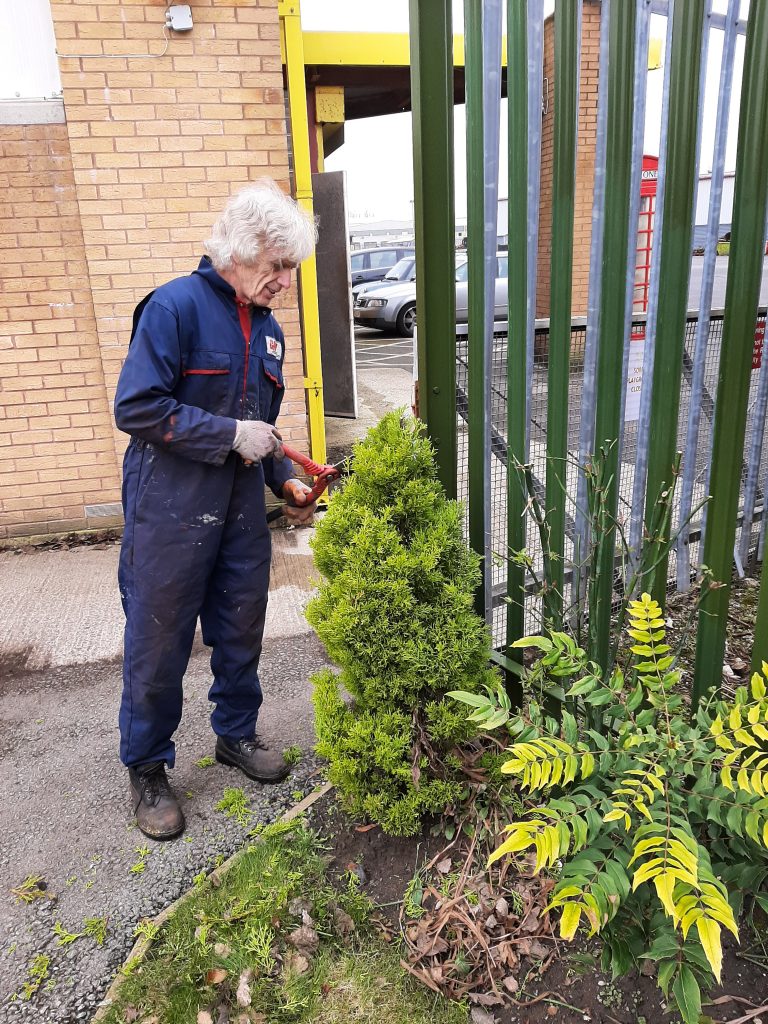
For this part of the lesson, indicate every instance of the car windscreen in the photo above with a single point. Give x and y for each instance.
(401, 271)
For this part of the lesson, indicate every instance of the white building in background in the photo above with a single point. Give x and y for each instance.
(702, 207)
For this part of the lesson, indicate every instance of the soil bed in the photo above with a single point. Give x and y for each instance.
(572, 988)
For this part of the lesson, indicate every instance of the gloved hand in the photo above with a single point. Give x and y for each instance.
(256, 440)
(296, 510)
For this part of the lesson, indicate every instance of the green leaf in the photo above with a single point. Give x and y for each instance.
(666, 970)
(540, 642)
(475, 700)
(687, 994)
(582, 687)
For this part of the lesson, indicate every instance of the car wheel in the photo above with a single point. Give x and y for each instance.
(406, 320)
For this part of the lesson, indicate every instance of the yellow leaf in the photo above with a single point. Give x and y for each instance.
(646, 871)
(757, 685)
(587, 765)
(743, 780)
(665, 886)
(734, 718)
(690, 918)
(717, 726)
(645, 845)
(569, 922)
(753, 715)
(709, 934)
(640, 805)
(724, 743)
(746, 738)
(515, 843)
(726, 778)
(614, 815)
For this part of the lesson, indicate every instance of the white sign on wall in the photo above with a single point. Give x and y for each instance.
(634, 379)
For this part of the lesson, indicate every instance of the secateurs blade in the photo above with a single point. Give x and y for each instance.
(324, 475)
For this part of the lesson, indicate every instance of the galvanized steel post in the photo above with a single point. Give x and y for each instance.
(517, 390)
(434, 223)
(741, 300)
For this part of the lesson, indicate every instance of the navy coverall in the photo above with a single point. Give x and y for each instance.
(196, 540)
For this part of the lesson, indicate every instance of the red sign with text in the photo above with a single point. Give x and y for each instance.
(757, 349)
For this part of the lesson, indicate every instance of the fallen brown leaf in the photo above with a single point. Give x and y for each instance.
(215, 976)
(365, 828)
(444, 866)
(130, 1013)
(304, 938)
(297, 963)
(222, 949)
(510, 983)
(203, 1017)
(343, 922)
(478, 1016)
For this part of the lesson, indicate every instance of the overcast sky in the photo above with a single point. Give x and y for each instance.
(377, 152)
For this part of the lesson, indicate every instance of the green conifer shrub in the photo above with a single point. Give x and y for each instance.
(395, 612)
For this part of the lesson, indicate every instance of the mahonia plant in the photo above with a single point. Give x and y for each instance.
(656, 824)
(395, 613)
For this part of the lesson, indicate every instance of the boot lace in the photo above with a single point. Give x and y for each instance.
(153, 785)
(249, 746)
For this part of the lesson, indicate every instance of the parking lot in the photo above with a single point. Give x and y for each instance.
(377, 350)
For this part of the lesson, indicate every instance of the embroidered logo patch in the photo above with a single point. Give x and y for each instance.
(274, 347)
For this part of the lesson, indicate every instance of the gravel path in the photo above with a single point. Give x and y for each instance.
(64, 808)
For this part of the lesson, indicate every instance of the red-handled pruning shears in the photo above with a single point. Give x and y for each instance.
(324, 475)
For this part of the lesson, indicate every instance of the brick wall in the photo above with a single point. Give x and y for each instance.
(157, 145)
(585, 161)
(57, 451)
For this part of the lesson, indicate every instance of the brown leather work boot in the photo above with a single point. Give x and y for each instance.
(253, 757)
(157, 810)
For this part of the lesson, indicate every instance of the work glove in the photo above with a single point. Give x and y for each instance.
(296, 510)
(256, 440)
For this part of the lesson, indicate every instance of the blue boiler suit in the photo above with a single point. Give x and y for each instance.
(196, 540)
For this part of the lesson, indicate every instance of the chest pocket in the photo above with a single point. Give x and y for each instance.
(207, 382)
(272, 384)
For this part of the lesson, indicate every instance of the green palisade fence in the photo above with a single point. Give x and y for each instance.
(516, 392)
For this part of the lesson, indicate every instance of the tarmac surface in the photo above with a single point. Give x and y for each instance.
(64, 809)
(65, 816)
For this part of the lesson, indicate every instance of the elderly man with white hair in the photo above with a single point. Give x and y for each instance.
(199, 393)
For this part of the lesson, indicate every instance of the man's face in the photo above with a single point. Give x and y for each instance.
(261, 282)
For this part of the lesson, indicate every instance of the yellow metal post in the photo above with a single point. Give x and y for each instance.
(293, 50)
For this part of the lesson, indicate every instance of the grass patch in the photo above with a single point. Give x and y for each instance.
(275, 941)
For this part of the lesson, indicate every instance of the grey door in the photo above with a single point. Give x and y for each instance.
(334, 296)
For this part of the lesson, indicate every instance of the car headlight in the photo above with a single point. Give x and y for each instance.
(377, 303)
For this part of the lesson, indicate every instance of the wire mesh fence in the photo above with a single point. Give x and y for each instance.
(757, 429)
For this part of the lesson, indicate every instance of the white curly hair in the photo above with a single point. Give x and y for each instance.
(261, 220)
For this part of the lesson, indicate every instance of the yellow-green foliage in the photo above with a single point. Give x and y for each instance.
(395, 612)
(660, 822)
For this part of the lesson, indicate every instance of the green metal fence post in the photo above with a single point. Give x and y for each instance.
(563, 198)
(476, 371)
(741, 299)
(618, 177)
(675, 258)
(434, 222)
(517, 108)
